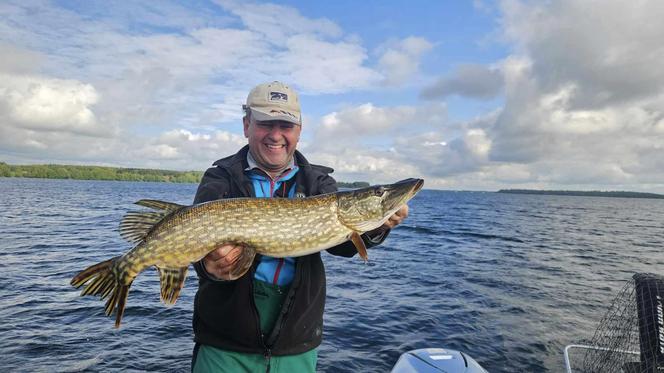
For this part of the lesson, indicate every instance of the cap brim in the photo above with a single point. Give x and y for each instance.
(263, 115)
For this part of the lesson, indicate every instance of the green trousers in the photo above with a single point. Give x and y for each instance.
(269, 299)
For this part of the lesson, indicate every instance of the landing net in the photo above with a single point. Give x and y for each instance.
(630, 336)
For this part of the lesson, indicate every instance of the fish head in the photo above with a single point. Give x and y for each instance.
(368, 208)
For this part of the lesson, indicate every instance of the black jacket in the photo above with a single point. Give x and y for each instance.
(225, 315)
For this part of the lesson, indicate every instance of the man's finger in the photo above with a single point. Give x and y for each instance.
(221, 251)
(403, 211)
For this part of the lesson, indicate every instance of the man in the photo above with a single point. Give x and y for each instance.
(271, 318)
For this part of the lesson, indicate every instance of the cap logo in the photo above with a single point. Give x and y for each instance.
(278, 96)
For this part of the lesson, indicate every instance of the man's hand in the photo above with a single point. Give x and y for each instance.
(396, 218)
(221, 261)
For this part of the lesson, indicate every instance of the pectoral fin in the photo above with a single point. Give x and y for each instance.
(172, 280)
(359, 245)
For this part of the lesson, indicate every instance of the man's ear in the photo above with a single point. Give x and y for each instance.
(245, 124)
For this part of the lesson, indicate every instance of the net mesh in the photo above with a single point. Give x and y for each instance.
(630, 336)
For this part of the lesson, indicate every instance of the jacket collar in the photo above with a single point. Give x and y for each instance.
(237, 163)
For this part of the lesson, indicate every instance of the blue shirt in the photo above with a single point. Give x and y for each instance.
(278, 271)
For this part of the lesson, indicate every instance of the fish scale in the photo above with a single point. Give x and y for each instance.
(176, 235)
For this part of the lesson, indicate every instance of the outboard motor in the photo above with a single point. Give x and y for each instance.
(436, 360)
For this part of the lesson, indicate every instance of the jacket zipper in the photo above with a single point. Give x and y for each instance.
(286, 307)
(267, 352)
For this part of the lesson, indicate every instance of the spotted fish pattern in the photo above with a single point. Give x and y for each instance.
(171, 236)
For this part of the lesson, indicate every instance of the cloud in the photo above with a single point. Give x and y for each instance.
(16, 60)
(425, 155)
(368, 122)
(607, 52)
(415, 141)
(50, 105)
(308, 53)
(469, 80)
(161, 86)
(133, 73)
(324, 67)
(183, 149)
(400, 59)
(354, 164)
(583, 95)
(277, 23)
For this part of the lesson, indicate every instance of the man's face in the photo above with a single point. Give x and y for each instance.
(272, 143)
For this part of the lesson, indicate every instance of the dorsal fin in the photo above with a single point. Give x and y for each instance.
(159, 205)
(136, 225)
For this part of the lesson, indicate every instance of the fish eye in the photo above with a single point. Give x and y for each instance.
(379, 191)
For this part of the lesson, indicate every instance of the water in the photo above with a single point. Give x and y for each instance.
(509, 279)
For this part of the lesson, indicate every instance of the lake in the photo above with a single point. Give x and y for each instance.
(509, 279)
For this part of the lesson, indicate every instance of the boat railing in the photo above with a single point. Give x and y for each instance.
(568, 348)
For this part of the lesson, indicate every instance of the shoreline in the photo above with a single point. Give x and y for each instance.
(578, 193)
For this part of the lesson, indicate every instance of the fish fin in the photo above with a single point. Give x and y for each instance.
(159, 205)
(135, 226)
(172, 280)
(242, 263)
(121, 299)
(95, 276)
(359, 245)
(101, 280)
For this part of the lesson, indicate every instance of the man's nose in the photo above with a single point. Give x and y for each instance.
(275, 130)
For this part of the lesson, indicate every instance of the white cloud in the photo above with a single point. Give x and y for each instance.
(154, 86)
(277, 23)
(583, 94)
(418, 142)
(43, 104)
(400, 59)
(183, 149)
(325, 67)
(355, 164)
(608, 51)
(367, 123)
(86, 71)
(16, 60)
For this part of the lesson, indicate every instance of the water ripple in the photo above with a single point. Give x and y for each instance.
(509, 279)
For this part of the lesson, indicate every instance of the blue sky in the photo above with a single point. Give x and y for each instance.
(469, 95)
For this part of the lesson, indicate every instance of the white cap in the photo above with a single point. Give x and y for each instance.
(274, 101)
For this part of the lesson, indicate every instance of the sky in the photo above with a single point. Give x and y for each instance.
(469, 95)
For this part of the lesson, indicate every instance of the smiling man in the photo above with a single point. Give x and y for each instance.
(271, 318)
(272, 124)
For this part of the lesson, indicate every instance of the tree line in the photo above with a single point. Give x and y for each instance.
(55, 171)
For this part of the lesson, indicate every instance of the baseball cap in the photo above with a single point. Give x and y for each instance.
(274, 101)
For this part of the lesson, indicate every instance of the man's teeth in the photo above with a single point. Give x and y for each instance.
(274, 146)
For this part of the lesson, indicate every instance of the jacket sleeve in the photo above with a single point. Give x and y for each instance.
(327, 184)
(213, 186)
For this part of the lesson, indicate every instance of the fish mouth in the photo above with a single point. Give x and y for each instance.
(408, 186)
(401, 192)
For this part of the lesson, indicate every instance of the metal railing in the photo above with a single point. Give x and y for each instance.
(568, 366)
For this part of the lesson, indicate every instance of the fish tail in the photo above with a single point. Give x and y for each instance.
(101, 280)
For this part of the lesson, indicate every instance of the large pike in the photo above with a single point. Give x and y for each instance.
(173, 236)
